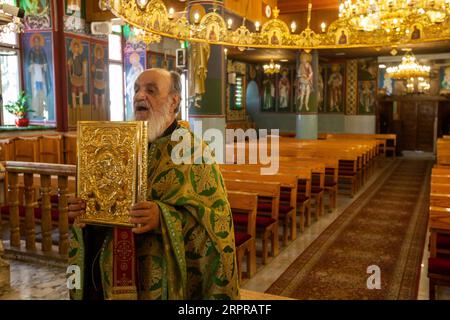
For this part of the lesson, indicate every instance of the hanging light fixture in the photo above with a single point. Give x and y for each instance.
(391, 15)
(408, 68)
(271, 67)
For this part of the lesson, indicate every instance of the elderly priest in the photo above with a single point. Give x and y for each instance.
(183, 235)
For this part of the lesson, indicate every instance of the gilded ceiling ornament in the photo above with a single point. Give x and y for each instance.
(403, 24)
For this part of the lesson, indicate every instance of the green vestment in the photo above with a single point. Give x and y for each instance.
(192, 255)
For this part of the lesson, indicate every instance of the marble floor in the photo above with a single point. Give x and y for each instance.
(32, 281)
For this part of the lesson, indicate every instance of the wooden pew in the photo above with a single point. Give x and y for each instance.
(331, 176)
(6, 149)
(70, 148)
(387, 142)
(317, 178)
(349, 161)
(287, 210)
(443, 152)
(245, 203)
(266, 222)
(439, 224)
(26, 149)
(303, 196)
(51, 149)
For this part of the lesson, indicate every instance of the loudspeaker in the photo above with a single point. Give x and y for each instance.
(101, 28)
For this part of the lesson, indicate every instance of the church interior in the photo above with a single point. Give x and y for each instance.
(348, 100)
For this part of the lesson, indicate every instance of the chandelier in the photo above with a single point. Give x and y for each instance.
(392, 15)
(271, 68)
(390, 22)
(408, 68)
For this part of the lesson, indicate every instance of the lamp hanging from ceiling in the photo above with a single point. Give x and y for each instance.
(408, 68)
(271, 67)
(391, 15)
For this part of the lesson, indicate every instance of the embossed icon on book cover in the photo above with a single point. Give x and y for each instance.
(111, 170)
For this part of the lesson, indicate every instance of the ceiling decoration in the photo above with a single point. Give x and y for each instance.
(153, 17)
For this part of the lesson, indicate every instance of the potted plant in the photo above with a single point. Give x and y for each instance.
(20, 109)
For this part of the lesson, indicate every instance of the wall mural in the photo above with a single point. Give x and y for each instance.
(334, 87)
(37, 14)
(38, 74)
(268, 93)
(367, 85)
(305, 84)
(284, 90)
(160, 60)
(320, 89)
(366, 97)
(134, 61)
(75, 15)
(444, 80)
(385, 83)
(77, 56)
(99, 83)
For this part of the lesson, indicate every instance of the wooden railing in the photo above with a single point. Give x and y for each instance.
(30, 186)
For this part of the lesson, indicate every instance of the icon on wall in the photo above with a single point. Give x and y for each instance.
(181, 58)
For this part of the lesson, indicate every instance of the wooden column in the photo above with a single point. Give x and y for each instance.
(29, 212)
(63, 218)
(14, 219)
(46, 218)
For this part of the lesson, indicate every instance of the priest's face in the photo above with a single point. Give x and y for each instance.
(153, 101)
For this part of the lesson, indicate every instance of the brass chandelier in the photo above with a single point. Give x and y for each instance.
(271, 67)
(409, 68)
(392, 15)
(384, 23)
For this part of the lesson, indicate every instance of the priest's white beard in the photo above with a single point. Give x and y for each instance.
(158, 121)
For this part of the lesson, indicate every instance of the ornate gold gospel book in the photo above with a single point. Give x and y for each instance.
(111, 170)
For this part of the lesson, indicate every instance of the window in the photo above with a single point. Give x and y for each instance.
(9, 72)
(116, 94)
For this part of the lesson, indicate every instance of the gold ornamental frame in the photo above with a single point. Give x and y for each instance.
(111, 170)
(154, 21)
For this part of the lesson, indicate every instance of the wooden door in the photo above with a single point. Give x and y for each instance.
(426, 113)
(408, 115)
(417, 129)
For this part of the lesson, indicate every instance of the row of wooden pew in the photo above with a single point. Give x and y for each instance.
(443, 151)
(309, 172)
(439, 219)
(49, 148)
(387, 143)
(293, 197)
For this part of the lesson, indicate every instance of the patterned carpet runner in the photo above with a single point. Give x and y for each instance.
(385, 227)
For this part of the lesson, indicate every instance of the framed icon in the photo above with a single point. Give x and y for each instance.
(181, 58)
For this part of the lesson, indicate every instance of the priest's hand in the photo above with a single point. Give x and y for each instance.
(145, 215)
(77, 207)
